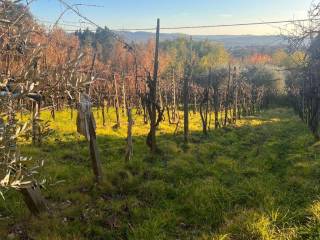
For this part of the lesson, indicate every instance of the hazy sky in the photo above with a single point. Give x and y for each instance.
(118, 14)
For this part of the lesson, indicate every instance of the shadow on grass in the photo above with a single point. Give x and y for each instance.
(225, 182)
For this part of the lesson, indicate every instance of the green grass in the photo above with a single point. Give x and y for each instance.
(257, 180)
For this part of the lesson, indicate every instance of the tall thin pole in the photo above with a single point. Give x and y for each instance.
(187, 77)
(156, 55)
(174, 95)
(153, 117)
(117, 101)
(236, 93)
(129, 150)
(226, 103)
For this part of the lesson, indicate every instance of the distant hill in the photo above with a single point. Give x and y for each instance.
(237, 45)
(230, 41)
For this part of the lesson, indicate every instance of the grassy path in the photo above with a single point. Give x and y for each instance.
(258, 180)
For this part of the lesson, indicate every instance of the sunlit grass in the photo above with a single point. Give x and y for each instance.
(256, 180)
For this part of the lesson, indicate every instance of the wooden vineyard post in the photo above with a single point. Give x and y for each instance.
(236, 114)
(195, 102)
(226, 103)
(103, 112)
(116, 102)
(124, 102)
(33, 120)
(145, 108)
(34, 200)
(86, 126)
(153, 93)
(16, 172)
(204, 110)
(187, 77)
(94, 152)
(129, 150)
(35, 116)
(174, 108)
(186, 107)
(216, 101)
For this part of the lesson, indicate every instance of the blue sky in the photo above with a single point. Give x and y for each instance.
(118, 14)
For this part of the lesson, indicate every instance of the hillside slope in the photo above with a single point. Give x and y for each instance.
(229, 41)
(258, 180)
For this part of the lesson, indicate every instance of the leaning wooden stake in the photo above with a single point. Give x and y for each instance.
(16, 173)
(129, 150)
(34, 200)
(86, 126)
(94, 152)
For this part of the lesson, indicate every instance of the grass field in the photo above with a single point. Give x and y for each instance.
(257, 180)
